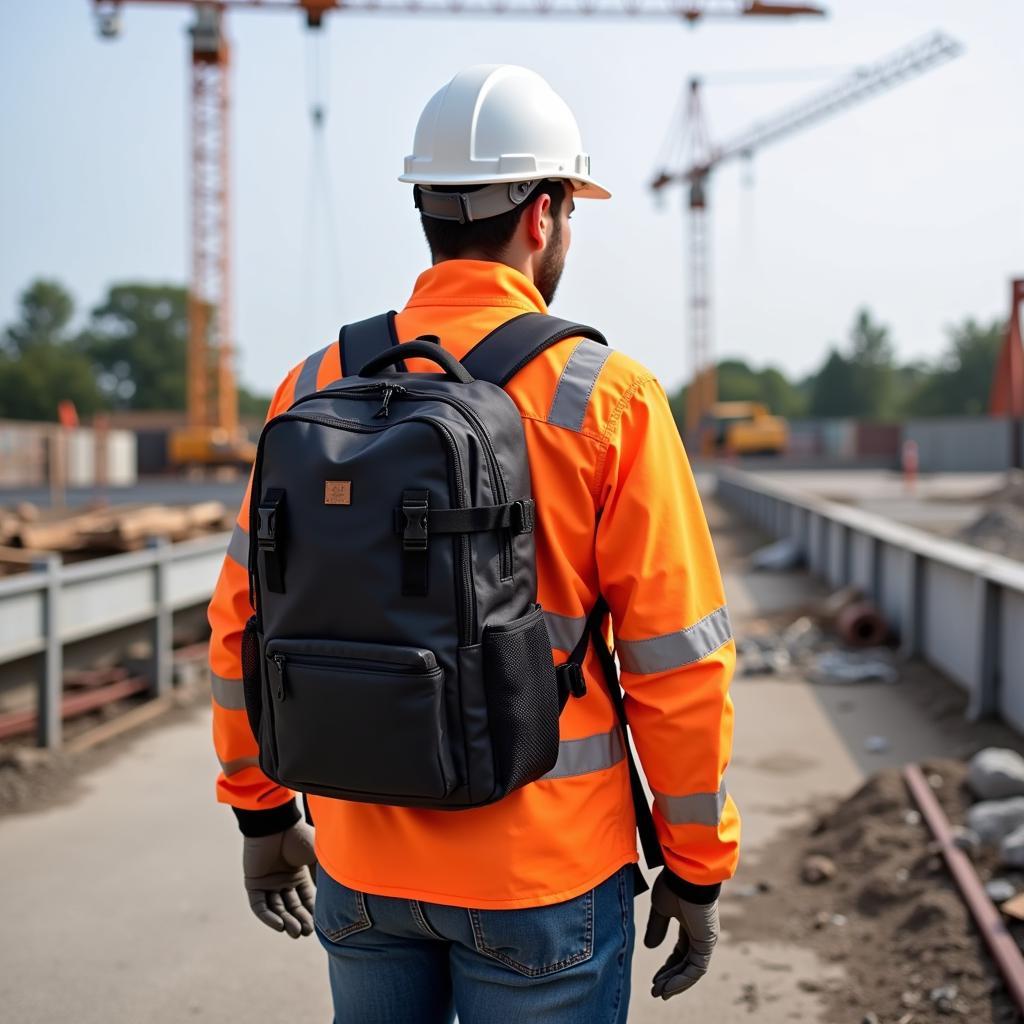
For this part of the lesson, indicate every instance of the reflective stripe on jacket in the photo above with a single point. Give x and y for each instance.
(618, 514)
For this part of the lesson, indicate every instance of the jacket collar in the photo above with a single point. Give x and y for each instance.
(476, 283)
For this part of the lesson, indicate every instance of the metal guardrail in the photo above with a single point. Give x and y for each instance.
(959, 608)
(54, 604)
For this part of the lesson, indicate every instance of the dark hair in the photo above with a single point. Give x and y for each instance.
(448, 239)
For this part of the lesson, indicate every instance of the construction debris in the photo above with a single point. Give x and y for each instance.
(996, 773)
(891, 916)
(844, 667)
(28, 534)
(781, 556)
(817, 868)
(994, 820)
(1000, 528)
(1000, 890)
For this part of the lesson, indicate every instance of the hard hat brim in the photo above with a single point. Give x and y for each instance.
(583, 188)
(587, 189)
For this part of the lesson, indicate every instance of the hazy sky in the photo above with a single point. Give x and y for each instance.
(913, 203)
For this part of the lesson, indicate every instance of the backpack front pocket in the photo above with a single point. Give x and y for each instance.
(359, 719)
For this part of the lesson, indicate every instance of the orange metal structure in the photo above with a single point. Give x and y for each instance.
(1007, 397)
(702, 158)
(212, 435)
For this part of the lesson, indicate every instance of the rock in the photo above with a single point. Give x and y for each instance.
(910, 998)
(1000, 890)
(993, 820)
(869, 1018)
(944, 998)
(912, 817)
(996, 773)
(817, 868)
(966, 839)
(1011, 849)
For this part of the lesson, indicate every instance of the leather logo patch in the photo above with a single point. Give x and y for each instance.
(337, 492)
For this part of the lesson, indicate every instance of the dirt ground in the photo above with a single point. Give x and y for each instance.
(891, 915)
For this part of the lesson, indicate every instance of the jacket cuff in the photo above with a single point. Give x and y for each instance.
(256, 824)
(701, 895)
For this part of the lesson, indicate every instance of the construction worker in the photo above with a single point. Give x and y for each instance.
(522, 909)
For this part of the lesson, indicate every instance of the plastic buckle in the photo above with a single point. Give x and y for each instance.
(414, 531)
(523, 516)
(572, 675)
(266, 527)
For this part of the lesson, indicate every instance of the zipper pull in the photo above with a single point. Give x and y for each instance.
(388, 390)
(279, 662)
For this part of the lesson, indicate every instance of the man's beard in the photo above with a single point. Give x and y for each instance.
(551, 266)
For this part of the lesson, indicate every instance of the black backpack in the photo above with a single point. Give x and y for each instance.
(398, 654)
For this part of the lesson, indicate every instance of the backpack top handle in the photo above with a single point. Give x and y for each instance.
(423, 349)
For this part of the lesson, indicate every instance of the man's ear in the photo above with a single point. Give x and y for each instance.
(538, 222)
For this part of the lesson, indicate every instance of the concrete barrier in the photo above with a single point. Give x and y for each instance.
(959, 608)
(955, 443)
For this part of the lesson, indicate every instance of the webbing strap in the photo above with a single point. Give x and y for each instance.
(516, 516)
(508, 348)
(649, 842)
(358, 343)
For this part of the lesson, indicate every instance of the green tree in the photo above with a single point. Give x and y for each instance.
(861, 382)
(39, 365)
(833, 392)
(137, 338)
(873, 364)
(961, 382)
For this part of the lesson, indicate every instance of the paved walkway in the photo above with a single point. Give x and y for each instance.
(126, 905)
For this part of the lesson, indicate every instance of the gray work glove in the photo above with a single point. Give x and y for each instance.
(278, 873)
(698, 933)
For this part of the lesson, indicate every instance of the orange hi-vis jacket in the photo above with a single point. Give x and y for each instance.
(618, 514)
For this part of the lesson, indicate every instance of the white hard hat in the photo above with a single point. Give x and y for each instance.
(495, 124)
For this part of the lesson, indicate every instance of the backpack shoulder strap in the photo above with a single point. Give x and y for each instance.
(508, 348)
(358, 343)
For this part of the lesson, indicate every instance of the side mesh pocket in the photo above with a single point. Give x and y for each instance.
(251, 684)
(522, 699)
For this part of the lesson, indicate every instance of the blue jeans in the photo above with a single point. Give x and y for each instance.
(398, 961)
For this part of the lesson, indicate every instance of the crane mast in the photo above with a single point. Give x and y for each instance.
(212, 410)
(703, 158)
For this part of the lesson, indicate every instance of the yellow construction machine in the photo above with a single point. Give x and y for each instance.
(742, 428)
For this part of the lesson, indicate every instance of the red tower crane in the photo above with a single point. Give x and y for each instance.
(212, 435)
(703, 157)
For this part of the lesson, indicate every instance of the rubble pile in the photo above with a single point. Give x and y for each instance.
(1000, 528)
(869, 885)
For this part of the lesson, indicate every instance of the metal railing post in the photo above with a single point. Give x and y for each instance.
(51, 674)
(985, 695)
(912, 631)
(162, 663)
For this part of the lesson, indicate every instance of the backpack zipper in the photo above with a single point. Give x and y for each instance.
(466, 594)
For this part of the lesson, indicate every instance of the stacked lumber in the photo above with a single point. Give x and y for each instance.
(28, 533)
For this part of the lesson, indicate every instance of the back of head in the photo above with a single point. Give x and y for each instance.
(488, 144)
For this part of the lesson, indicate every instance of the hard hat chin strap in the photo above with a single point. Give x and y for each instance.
(489, 201)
